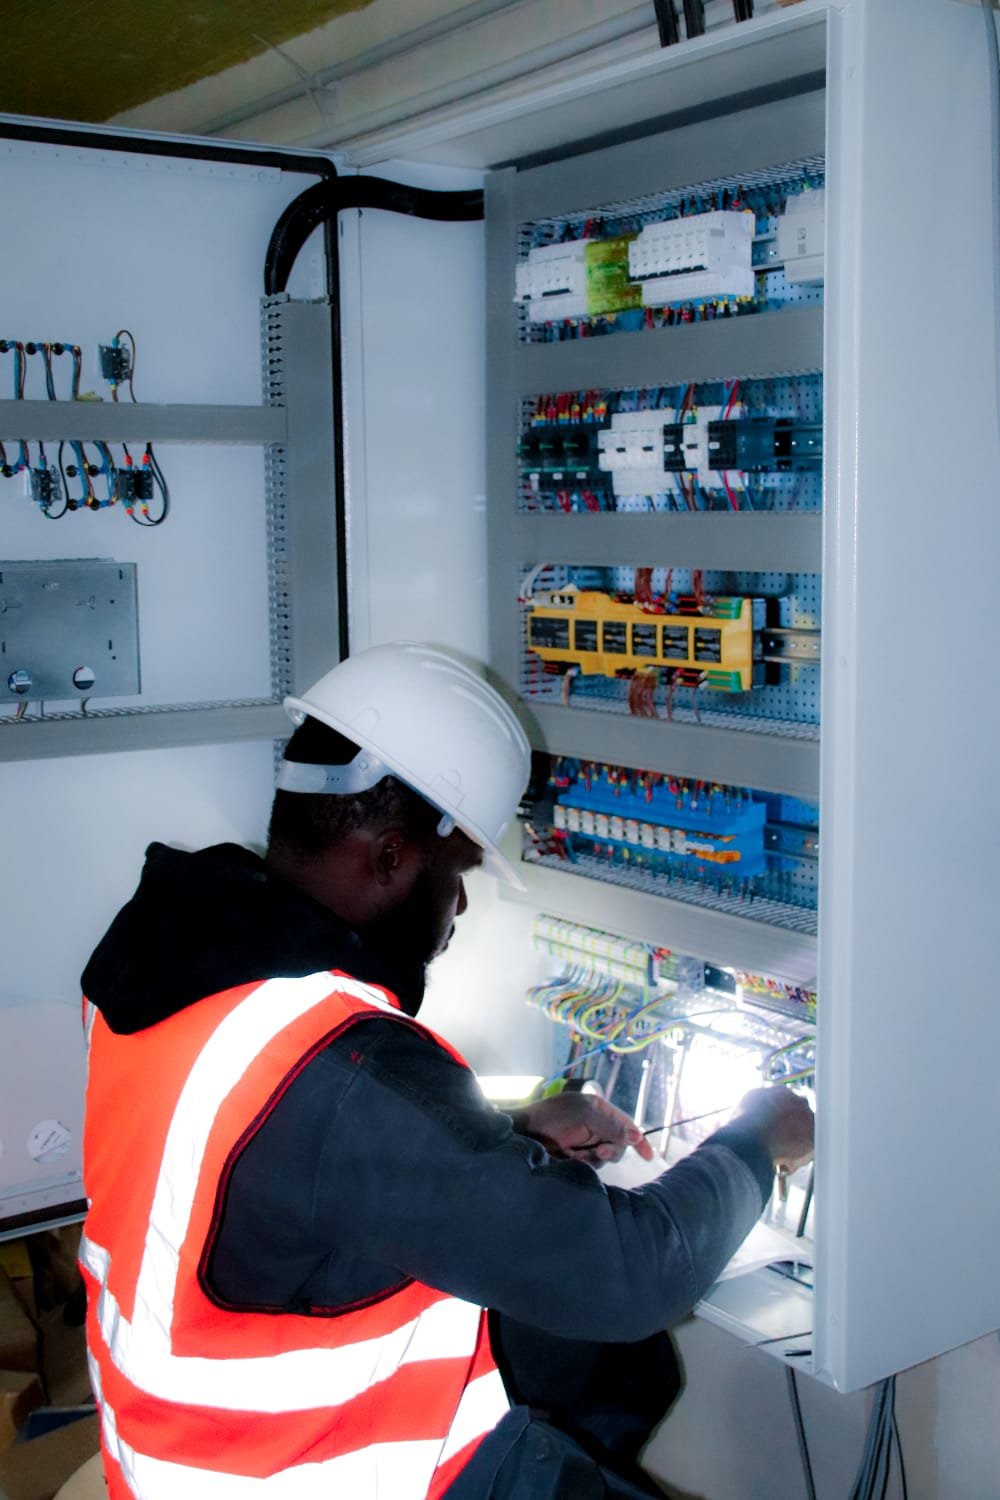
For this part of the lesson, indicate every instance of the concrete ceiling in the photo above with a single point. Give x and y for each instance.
(91, 59)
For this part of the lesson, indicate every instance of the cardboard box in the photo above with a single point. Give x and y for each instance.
(19, 1349)
(36, 1470)
(20, 1394)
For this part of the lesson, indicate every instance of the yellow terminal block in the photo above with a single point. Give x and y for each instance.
(603, 636)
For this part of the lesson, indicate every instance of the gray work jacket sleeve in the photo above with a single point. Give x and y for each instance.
(383, 1153)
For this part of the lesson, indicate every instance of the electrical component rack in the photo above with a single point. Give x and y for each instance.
(611, 514)
(900, 874)
(236, 663)
(303, 604)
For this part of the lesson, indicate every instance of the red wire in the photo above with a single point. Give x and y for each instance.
(732, 399)
(733, 502)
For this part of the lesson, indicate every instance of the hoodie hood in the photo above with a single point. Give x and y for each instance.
(205, 922)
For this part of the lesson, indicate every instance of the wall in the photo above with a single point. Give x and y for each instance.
(731, 1436)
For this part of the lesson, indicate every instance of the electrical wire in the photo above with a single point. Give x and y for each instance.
(140, 512)
(904, 1488)
(124, 333)
(50, 384)
(881, 1441)
(84, 500)
(142, 515)
(993, 52)
(800, 1433)
(322, 203)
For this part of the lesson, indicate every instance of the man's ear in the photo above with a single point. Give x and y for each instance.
(395, 859)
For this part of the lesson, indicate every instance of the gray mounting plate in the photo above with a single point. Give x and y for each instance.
(63, 618)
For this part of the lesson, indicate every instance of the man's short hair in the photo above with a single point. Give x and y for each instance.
(309, 823)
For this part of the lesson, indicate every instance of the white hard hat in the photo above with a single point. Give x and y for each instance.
(425, 717)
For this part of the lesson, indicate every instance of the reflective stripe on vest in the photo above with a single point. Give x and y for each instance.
(383, 1401)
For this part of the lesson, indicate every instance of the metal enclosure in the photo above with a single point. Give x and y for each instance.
(903, 766)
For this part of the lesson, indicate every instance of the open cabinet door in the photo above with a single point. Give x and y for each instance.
(909, 1220)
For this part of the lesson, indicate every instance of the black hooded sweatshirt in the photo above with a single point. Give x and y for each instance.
(382, 1162)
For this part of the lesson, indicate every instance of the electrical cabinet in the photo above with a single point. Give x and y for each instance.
(879, 721)
(883, 560)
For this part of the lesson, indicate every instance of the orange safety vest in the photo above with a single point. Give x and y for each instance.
(389, 1399)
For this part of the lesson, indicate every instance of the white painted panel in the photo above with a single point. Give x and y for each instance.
(415, 374)
(202, 575)
(415, 404)
(173, 251)
(74, 836)
(907, 1227)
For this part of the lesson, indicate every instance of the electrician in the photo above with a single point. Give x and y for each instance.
(300, 1202)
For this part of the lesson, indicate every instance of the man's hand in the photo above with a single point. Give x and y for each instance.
(583, 1127)
(785, 1124)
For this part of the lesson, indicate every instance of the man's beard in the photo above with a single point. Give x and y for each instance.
(409, 934)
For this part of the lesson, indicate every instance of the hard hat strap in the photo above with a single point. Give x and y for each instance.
(358, 775)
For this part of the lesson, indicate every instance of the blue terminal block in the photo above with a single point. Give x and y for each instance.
(660, 822)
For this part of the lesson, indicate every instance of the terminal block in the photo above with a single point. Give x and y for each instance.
(115, 363)
(44, 487)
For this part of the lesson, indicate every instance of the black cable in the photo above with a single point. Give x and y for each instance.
(124, 332)
(323, 202)
(320, 205)
(694, 17)
(993, 51)
(882, 1436)
(903, 1487)
(800, 1433)
(781, 1338)
(145, 519)
(153, 145)
(50, 384)
(806, 1204)
(72, 502)
(666, 22)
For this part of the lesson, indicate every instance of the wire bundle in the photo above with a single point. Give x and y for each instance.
(53, 485)
(881, 1439)
(618, 1017)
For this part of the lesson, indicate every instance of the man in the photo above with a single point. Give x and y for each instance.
(301, 1203)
